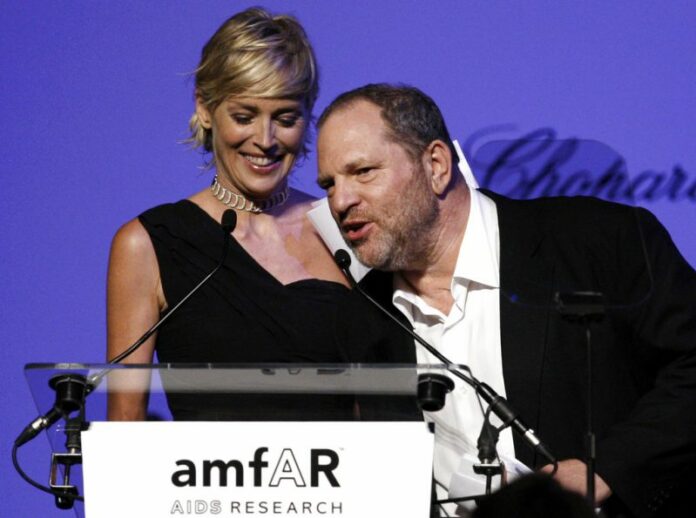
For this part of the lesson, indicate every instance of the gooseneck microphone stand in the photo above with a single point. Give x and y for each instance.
(72, 390)
(490, 465)
(498, 405)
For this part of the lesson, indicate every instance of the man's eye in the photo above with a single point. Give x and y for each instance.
(325, 184)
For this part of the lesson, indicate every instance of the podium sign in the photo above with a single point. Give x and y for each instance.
(347, 469)
(242, 440)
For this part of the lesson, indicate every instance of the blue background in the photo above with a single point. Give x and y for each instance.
(95, 98)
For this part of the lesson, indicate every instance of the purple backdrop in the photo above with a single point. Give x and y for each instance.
(95, 98)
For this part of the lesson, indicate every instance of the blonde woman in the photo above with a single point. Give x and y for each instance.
(277, 297)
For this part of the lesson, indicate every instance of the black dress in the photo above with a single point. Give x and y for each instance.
(244, 315)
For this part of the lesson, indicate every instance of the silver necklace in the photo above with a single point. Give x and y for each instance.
(239, 202)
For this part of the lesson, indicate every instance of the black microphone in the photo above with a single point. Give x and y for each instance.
(499, 405)
(228, 222)
(343, 261)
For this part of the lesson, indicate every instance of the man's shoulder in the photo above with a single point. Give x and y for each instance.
(559, 203)
(585, 211)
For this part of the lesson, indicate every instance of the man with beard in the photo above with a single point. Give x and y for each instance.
(475, 274)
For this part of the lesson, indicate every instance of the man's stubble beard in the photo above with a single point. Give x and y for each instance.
(405, 230)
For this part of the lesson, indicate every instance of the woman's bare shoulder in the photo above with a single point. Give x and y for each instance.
(133, 267)
(132, 239)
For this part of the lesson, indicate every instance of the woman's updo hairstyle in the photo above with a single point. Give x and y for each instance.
(254, 54)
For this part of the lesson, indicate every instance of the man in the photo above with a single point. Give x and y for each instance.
(476, 274)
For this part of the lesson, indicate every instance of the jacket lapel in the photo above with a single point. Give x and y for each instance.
(526, 279)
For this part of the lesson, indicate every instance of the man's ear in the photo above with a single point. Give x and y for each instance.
(204, 115)
(438, 162)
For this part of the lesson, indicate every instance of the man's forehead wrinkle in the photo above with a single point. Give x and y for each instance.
(352, 137)
(352, 156)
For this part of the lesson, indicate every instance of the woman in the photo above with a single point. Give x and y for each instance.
(276, 298)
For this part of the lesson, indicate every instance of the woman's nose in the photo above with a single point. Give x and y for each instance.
(265, 134)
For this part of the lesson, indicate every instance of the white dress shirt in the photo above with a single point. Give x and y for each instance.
(469, 334)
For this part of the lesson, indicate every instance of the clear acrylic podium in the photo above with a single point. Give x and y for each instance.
(244, 440)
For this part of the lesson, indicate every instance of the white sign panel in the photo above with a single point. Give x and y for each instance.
(346, 469)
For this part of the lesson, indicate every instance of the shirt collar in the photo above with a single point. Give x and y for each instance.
(479, 252)
(477, 261)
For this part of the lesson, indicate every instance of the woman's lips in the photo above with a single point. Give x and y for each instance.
(263, 165)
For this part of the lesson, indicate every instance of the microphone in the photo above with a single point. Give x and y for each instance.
(228, 222)
(498, 405)
(343, 261)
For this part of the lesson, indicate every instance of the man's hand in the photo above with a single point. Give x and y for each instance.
(572, 475)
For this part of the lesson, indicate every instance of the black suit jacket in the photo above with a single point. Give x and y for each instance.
(643, 351)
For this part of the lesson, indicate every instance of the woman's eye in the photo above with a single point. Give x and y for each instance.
(288, 121)
(241, 119)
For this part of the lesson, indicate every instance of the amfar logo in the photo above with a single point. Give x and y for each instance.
(285, 470)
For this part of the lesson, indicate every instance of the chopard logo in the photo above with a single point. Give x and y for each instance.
(284, 470)
(539, 164)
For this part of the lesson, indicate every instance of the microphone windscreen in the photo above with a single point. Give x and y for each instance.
(342, 259)
(229, 220)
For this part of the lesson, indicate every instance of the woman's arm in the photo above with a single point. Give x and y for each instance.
(134, 302)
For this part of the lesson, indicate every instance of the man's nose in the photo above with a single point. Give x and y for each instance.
(343, 197)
